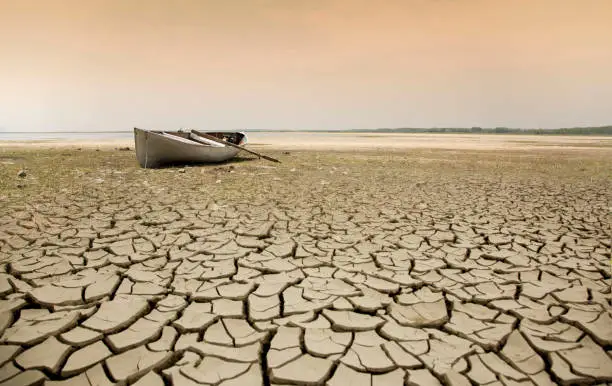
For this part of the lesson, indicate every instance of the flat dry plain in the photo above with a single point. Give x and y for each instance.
(405, 266)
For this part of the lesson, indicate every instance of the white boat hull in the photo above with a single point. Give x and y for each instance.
(155, 149)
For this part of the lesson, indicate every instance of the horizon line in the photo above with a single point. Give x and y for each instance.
(322, 130)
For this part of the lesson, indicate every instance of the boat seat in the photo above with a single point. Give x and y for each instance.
(181, 139)
(205, 141)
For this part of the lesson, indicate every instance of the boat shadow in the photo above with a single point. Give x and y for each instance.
(233, 161)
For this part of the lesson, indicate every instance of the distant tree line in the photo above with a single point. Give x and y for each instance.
(599, 130)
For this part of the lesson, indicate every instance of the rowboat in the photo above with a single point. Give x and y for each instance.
(158, 148)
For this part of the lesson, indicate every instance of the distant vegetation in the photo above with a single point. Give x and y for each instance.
(600, 130)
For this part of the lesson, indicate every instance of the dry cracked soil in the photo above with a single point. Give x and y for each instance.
(412, 267)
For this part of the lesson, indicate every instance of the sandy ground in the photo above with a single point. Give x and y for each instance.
(366, 141)
(411, 266)
(351, 141)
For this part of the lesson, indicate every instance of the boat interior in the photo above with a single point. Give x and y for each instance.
(232, 137)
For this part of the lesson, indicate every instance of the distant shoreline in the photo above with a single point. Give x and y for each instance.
(579, 131)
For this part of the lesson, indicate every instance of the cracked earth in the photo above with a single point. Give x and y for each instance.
(332, 269)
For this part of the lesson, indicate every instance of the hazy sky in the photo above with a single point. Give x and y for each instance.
(304, 64)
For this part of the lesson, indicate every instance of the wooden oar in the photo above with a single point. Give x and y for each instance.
(213, 138)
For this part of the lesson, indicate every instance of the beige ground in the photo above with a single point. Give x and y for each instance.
(351, 141)
(414, 266)
(365, 141)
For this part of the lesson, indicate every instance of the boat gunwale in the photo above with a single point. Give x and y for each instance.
(165, 134)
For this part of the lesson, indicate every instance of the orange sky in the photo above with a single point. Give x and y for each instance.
(310, 64)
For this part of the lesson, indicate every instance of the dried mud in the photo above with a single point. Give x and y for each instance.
(405, 267)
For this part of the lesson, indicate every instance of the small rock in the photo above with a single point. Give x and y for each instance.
(22, 173)
(181, 170)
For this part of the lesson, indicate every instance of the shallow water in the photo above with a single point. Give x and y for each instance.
(58, 136)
